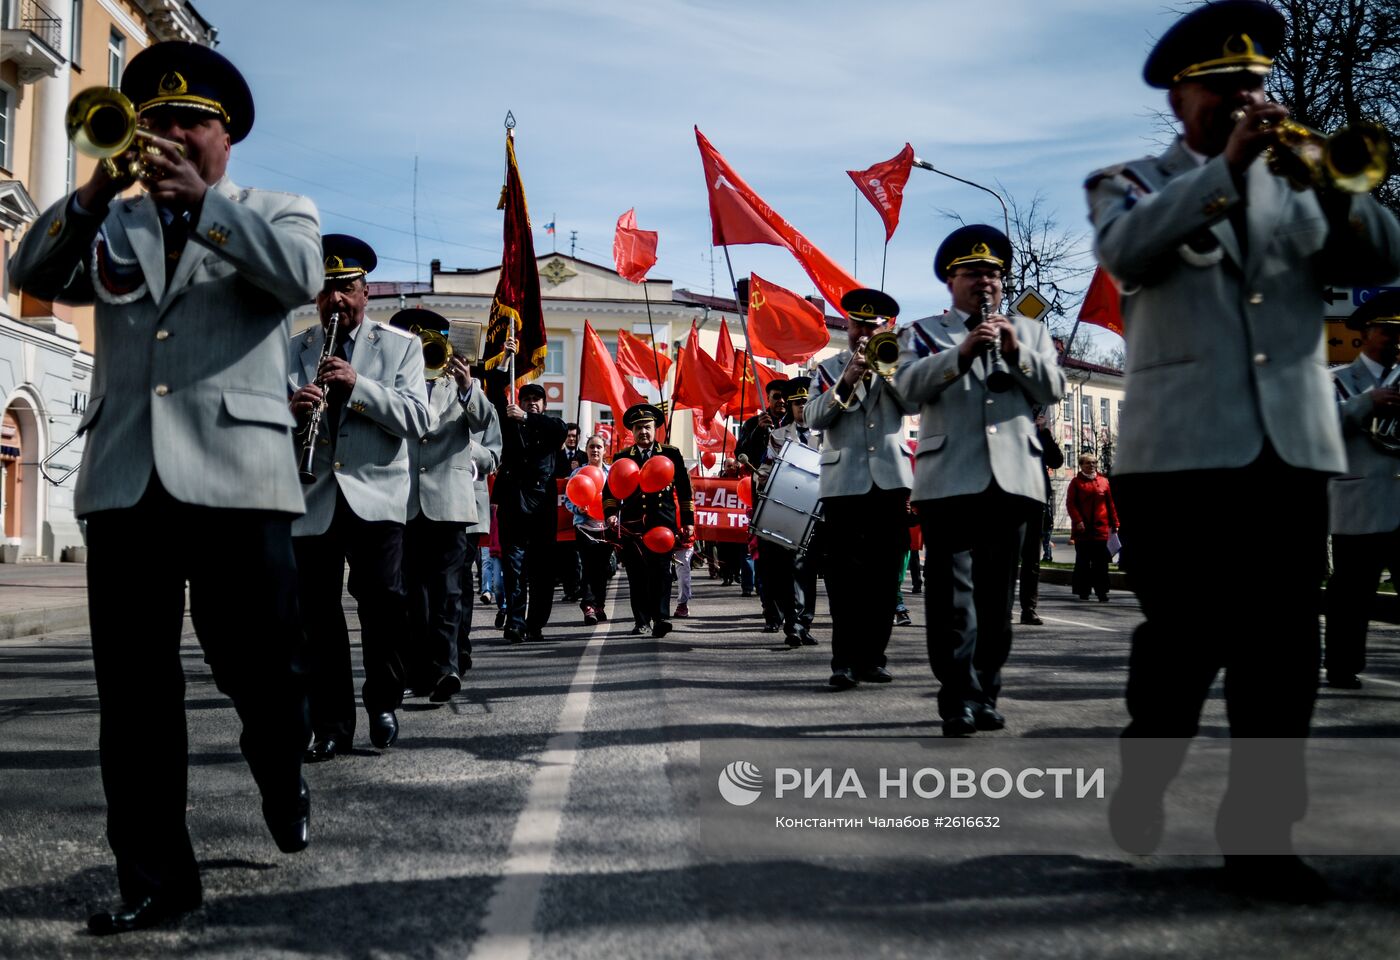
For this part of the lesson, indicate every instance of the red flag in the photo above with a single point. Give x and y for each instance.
(599, 379)
(752, 387)
(634, 251)
(783, 325)
(1102, 303)
(516, 310)
(637, 358)
(701, 384)
(738, 215)
(714, 438)
(883, 185)
(724, 348)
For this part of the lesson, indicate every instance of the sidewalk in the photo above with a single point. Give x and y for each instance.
(42, 598)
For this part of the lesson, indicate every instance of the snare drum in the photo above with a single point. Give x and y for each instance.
(787, 509)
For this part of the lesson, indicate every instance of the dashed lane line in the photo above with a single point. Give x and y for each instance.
(1077, 623)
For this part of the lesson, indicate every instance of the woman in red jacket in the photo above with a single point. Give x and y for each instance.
(1092, 520)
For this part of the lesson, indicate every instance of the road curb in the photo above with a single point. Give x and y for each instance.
(28, 623)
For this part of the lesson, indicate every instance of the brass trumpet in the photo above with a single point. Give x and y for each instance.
(1355, 159)
(436, 351)
(102, 123)
(882, 353)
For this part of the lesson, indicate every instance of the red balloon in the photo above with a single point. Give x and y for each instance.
(623, 477)
(660, 539)
(595, 507)
(746, 491)
(580, 490)
(657, 474)
(708, 459)
(595, 472)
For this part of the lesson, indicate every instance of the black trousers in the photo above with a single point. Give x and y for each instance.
(528, 545)
(435, 555)
(568, 565)
(374, 551)
(1268, 650)
(866, 537)
(464, 623)
(593, 554)
(974, 546)
(1030, 559)
(1357, 562)
(1090, 567)
(243, 605)
(648, 581)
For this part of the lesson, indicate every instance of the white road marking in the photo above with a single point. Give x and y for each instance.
(510, 914)
(1076, 623)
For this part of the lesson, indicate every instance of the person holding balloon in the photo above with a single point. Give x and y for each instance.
(584, 498)
(648, 507)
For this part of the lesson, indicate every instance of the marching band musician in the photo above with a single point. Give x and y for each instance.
(1222, 265)
(978, 472)
(789, 578)
(187, 431)
(628, 520)
(441, 502)
(486, 457)
(864, 486)
(1364, 503)
(377, 405)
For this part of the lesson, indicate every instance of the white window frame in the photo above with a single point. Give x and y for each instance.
(10, 99)
(116, 51)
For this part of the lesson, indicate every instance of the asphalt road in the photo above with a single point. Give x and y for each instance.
(556, 809)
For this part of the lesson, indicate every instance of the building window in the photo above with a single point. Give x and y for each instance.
(7, 124)
(1067, 410)
(116, 57)
(1086, 410)
(1103, 412)
(75, 35)
(1120, 412)
(554, 358)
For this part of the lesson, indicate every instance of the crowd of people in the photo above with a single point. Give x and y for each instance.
(200, 400)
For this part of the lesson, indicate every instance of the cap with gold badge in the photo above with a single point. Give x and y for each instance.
(640, 413)
(1383, 307)
(1228, 36)
(347, 257)
(869, 306)
(190, 76)
(976, 244)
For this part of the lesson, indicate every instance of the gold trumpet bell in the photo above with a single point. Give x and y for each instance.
(1355, 159)
(102, 123)
(436, 351)
(882, 353)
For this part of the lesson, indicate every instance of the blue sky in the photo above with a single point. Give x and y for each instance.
(1030, 95)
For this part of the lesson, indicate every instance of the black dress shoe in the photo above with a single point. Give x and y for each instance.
(1348, 681)
(534, 634)
(661, 628)
(987, 718)
(772, 627)
(447, 685)
(1136, 820)
(874, 675)
(1031, 618)
(322, 749)
(291, 829)
(383, 729)
(808, 640)
(960, 725)
(641, 629)
(500, 619)
(843, 679)
(513, 635)
(1285, 878)
(146, 912)
(793, 640)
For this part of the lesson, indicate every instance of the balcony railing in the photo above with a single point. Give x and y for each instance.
(38, 20)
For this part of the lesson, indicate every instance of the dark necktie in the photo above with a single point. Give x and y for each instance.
(175, 231)
(336, 395)
(802, 435)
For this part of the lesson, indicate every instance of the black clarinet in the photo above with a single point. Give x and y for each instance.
(306, 462)
(998, 376)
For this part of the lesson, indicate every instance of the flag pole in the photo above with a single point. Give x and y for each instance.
(675, 386)
(884, 258)
(743, 313)
(660, 383)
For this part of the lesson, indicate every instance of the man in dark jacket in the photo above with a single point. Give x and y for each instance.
(673, 507)
(527, 509)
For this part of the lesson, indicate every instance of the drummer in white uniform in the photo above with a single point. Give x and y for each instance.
(790, 574)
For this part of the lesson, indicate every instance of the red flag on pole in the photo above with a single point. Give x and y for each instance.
(701, 384)
(637, 358)
(738, 215)
(599, 379)
(634, 251)
(724, 348)
(1102, 303)
(714, 437)
(883, 185)
(516, 310)
(783, 325)
(752, 383)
